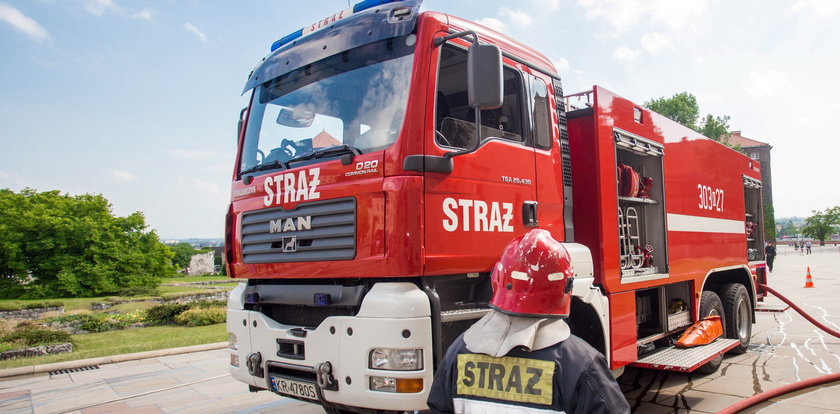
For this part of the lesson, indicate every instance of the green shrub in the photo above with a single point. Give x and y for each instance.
(164, 313)
(34, 335)
(99, 322)
(139, 291)
(201, 316)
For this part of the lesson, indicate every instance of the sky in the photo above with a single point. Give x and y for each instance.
(138, 100)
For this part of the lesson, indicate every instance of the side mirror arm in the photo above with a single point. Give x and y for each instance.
(240, 123)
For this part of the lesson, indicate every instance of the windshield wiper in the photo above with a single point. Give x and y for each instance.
(270, 166)
(328, 152)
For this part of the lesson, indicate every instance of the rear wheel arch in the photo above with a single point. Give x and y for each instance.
(717, 279)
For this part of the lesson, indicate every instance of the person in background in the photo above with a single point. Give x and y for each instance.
(808, 246)
(770, 254)
(521, 357)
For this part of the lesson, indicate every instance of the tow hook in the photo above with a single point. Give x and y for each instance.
(323, 371)
(254, 364)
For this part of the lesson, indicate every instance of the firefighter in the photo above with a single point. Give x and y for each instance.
(521, 357)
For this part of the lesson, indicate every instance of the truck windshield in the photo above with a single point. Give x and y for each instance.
(355, 99)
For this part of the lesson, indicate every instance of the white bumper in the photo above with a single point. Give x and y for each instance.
(387, 312)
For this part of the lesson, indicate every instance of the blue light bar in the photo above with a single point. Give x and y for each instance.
(366, 4)
(326, 22)
(286, 39)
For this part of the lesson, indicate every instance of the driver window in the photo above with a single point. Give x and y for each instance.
(455, 119)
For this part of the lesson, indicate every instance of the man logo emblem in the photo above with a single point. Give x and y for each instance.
(289, 244)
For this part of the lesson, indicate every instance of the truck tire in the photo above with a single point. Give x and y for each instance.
(738, 310)
(710, 305)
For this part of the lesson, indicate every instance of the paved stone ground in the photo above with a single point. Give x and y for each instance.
(785, 349)
(187, 383)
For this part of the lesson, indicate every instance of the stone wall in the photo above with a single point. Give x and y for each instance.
(36, 351)
(201, 264)
(29, 314)
(222, 295)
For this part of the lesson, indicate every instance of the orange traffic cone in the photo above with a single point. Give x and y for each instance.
(808, 282)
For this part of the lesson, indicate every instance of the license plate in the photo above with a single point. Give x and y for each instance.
(300, 389)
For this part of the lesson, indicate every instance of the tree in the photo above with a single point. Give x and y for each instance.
(821, 224)
(183, 253)
(769, 222)
(788, 229)
(683, 108)
(61, 245)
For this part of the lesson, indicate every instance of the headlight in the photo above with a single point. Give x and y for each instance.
(232, 341)
(396, 359)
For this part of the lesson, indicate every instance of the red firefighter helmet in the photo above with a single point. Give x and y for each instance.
(533, 277)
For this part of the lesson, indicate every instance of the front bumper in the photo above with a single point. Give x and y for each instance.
(392, 315)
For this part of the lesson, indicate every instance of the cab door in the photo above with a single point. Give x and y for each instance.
(489, 197)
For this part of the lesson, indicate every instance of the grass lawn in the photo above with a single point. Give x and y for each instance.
(69, 303)
(129, 341)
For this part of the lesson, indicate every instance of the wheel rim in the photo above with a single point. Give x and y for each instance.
(743, 318)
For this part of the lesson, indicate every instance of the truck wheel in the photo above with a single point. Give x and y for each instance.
(711, 305)
(738, 310)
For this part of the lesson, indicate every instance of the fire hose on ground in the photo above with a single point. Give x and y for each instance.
(785, 389)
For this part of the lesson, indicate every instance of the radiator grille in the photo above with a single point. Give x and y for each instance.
(316, 231)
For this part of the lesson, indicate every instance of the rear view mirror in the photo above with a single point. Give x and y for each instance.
(295, 117)
(484, 76)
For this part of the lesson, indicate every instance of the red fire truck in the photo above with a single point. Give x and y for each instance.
(386, 158)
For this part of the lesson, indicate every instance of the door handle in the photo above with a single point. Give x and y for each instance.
(529, 213)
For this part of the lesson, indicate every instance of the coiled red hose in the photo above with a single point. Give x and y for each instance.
(785, 389)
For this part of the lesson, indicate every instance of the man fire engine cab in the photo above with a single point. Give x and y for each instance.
(522, 353)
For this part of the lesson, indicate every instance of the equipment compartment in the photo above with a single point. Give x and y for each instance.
(641, 209)
(753, 221)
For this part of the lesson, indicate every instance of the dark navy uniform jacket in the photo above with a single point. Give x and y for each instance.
(570, 377)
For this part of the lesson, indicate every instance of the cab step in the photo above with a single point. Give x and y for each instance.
(771, 307)
(685, 359)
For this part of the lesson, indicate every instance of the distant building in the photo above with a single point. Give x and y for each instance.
(201, 264)
(759, 151)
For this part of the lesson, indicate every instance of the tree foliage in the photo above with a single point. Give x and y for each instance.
(769, 222)
(183, 253)
(54, 245)
(788, 229)
(683, 108)
(822, 224)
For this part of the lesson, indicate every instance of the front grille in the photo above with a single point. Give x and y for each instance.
(316, 231)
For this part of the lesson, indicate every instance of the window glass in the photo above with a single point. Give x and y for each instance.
(455, 119)
(356, 98)
(539, 105)
(754, 155)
